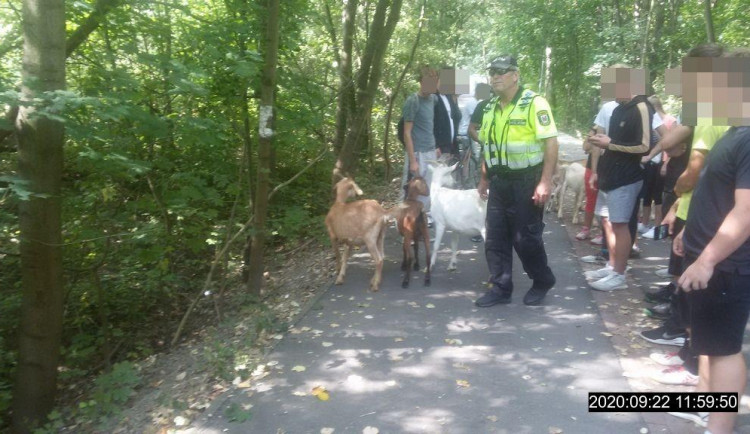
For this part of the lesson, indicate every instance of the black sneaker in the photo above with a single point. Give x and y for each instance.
(537, 293)
(663, 295)
(493, 297)
(660, 311)
(661, 335)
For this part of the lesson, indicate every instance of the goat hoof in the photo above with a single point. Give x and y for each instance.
(427, 282)
(405, 284)
(340, 281)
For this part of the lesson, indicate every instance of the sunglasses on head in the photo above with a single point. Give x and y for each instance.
(500, 71)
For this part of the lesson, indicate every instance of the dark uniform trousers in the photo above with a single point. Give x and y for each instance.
(513, 221)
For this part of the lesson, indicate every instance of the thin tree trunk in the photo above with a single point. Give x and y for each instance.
(710, 35)
(346, 99)
(396, 91)
(266, 124)
(40, 163)
(368, 79)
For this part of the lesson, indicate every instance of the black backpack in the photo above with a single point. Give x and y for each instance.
(400, 131)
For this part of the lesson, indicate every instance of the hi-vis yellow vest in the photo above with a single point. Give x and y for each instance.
(514, 137)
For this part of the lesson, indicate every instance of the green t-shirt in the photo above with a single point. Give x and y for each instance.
(704, 138)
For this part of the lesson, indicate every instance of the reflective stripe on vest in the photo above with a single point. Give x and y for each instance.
(510, 139)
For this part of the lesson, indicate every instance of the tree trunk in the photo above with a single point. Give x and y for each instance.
(40, 153)
(709, 22)
(368, 79)
(393, 95)
(265, 130)
(346, 81)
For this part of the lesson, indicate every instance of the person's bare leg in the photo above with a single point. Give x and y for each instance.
(621, 248)
(726, 374)
(704, 375)
(646, 215)
(610, 236)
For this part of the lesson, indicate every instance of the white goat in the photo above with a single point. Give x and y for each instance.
(356, 223)
(569, 177)
(461, 211)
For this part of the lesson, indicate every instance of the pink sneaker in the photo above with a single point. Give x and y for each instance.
(584, 234)
(598, 240)
(677, 376)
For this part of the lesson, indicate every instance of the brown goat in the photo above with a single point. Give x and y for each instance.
(412, 224)
(356, 223)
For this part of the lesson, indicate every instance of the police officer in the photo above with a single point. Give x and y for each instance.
(519, 143)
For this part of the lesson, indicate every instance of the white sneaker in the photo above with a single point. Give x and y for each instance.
(676, 376)
(610, 283)
(642, 228)
(699, 418)
(600, 273)
(597, 240)
(663, 273)
(667, 359)
(648, 234)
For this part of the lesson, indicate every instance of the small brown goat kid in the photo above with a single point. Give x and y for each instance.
(356, 223)
(412, 224)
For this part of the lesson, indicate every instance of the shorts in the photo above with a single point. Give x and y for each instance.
(675, 262)
(590, 192)
(719, 313)
(653, 184)
(617, 205)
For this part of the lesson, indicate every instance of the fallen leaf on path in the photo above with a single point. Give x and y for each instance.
(462, 383)
(607, 334)
(430, 306)
(454, 342)
(492, 418)
(321, 393)
(555, 430)
(298, 393)
(327, 430)
(370, 430)
(181, 376)
(398, 339)
(298, 368)
(326, 344)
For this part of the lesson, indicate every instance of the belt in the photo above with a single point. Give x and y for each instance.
(501, 172)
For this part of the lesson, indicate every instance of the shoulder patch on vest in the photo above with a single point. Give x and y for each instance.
(543, 117)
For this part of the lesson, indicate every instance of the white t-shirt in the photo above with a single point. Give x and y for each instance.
(448, 109)
(467, 104)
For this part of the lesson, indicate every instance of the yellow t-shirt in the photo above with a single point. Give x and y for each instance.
(704, 138)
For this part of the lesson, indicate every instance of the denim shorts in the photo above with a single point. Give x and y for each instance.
(617, 205)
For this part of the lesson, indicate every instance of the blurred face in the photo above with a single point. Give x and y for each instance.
(429, 82)
(622, 84)
(716, 91)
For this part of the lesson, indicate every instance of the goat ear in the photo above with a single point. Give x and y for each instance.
(356, 188)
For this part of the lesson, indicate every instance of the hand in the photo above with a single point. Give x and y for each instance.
(483, 188)
(414, 167)
(600, 141)
(541, 194)
(593, 181)
(663, 170)
(645, 159)
(696, 276)
(677, 247)
(438, 152)
(669, 219)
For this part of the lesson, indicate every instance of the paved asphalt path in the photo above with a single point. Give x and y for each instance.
(425, 359)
